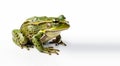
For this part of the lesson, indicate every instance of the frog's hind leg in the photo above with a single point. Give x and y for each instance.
(58, 41)
(19, 39)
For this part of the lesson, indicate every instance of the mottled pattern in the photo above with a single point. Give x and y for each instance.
(36, 31)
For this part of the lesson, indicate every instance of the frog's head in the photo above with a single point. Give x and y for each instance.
(59, 24)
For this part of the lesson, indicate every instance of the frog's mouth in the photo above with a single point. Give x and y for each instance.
(61, 27)
(51, 30)
(56, 30)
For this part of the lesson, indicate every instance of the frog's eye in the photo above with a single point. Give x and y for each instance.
(55, 20)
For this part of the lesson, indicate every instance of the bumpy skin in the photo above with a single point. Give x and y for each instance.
(37, 31)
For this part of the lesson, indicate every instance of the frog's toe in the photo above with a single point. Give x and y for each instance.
(27, 46)
(50, 50)
(60, 43)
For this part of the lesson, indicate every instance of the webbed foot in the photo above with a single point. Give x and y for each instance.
(58, 43)
(50, 50)
(27, 46)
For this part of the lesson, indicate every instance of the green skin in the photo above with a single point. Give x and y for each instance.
(37, 31)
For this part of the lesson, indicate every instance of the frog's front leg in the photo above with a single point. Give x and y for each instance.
(58, 41)
(19, 39)
(39, 44)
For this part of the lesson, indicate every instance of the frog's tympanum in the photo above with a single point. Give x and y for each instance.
(37, 31)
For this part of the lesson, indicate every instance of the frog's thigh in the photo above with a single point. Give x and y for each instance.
(37, 43)
(18, 37)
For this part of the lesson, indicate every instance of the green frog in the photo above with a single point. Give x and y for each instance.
(38, 31)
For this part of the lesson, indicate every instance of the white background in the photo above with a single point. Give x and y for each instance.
(92, 40)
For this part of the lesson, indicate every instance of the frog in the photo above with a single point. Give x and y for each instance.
(37, 31)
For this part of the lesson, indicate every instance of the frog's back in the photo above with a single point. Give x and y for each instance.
(34, 24)
(40, 19)
(28, 29)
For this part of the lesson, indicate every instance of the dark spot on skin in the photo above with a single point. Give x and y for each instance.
(31, 33)
(41, 51)
(34, 32)
(36, 45)
(18, 37)
(33, 42)
(23, 35)
(27, 30)
(26, 22)
(15, 33)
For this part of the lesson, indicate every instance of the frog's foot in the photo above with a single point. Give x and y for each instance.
(50, 50)
(27, 46)
(58, 42)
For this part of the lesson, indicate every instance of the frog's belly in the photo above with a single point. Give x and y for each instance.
(51, 35)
